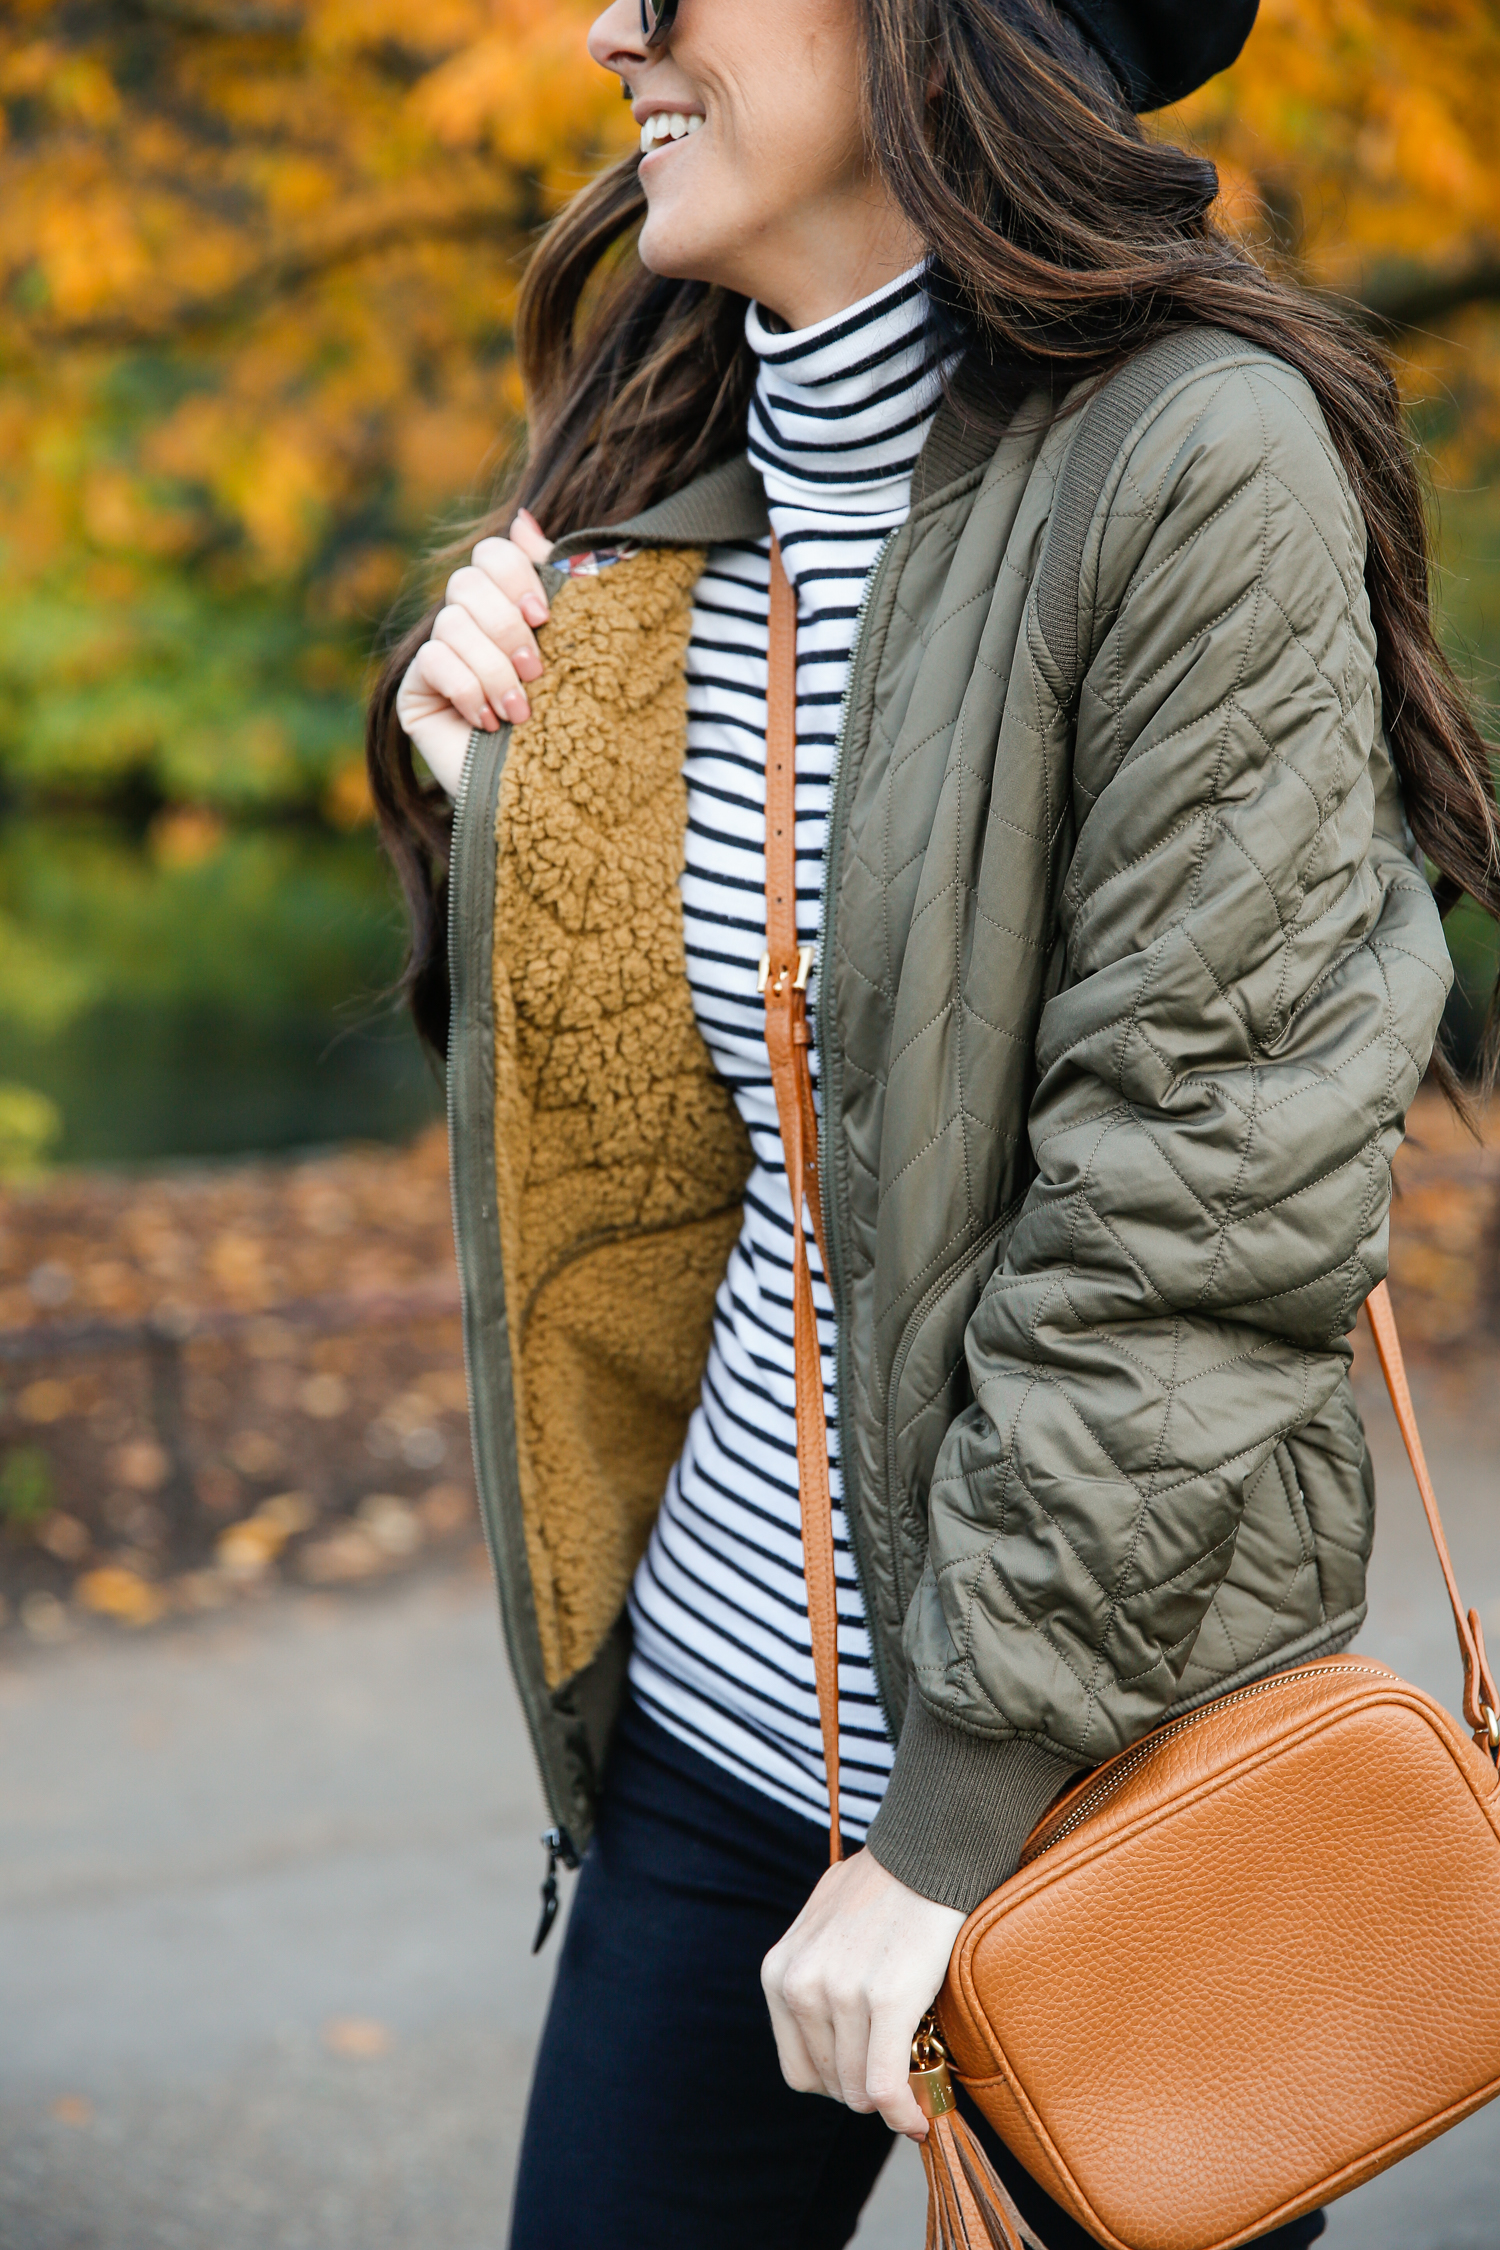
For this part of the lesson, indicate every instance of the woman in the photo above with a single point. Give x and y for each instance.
(1119, 996)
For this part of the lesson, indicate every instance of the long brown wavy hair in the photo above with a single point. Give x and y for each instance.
(1061, 239)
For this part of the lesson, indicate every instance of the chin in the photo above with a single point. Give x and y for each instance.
(668, 249)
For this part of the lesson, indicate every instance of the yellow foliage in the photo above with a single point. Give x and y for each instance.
(1357, 139)
(186, 836)
(1372, 120)
(347, 801)
(524, 90)
(320, 226)
(29, 1125)
(89, 248)
(257, 285)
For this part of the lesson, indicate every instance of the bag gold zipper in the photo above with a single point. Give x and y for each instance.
(1133, 1760)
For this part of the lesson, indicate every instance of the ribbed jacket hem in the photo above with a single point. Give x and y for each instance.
(959, 1807)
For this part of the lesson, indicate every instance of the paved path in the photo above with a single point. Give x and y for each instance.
(266, 1891)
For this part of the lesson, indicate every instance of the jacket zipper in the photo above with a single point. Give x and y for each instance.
(828, 1076)
(450, 1104)
(1132, 1760)
(556, 1841)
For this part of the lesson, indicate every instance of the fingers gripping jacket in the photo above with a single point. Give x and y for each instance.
(968, 2205)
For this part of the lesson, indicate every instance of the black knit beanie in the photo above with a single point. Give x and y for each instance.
(1162, 50)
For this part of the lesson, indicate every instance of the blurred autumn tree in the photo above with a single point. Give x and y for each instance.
(258, 260)
(257, 264)
(1356, 143)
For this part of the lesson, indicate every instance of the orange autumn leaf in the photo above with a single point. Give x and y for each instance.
(258, 269)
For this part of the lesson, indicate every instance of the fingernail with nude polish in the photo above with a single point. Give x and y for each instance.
(535, 610)
(488, 720)
(528, 666)
(515, 707)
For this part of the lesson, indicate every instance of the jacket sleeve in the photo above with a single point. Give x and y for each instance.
(1255, 970)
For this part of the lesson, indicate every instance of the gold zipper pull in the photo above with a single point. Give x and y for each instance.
(930, 2079)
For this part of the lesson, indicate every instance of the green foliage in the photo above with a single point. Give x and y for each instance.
(205, 989)
(29, 1125)
(1474, 948)
(40, 987)
(233, 699)
(1467, 588)
(256, 921)
(258, 269)
(25, 1486)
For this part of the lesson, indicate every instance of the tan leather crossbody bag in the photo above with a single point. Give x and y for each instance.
(1250, 1961)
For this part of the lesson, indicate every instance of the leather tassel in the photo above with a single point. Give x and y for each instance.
(969, 2206)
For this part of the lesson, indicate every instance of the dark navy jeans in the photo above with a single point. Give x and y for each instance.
(659, 2118)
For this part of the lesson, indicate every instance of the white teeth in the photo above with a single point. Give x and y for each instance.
(671, 125)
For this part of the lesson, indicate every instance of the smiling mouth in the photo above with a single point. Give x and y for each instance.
(669, 125)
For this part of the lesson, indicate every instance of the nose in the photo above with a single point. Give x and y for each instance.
(615, 39)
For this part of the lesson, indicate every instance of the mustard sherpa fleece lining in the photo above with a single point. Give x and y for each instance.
(619, 1155)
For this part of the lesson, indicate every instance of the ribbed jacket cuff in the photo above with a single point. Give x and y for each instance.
(958, 1808)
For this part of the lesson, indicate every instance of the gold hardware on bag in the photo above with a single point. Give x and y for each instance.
(1146, 1896)
(930, 2079)
(969, 2207)
(1149, 1900)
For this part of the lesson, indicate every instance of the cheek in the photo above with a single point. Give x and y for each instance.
(703, 194)
(739, 177)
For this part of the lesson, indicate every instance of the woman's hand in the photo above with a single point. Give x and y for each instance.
(850, 1982)
(482, 651)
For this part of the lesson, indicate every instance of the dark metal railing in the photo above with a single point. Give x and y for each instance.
(162, 1336)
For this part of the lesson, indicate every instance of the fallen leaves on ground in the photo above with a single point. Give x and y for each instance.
(118, 1592)
(359, 2038)
(305, 1445)
(332, 1458)
(1445, 1232)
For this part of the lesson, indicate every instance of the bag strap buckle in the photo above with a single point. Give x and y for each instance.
(805, 957)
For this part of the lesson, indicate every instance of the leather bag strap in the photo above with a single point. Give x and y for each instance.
(1481, 1703)
(784, 970)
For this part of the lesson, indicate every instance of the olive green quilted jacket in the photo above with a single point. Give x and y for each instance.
(1128, 978)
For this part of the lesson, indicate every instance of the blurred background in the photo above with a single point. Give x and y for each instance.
(269, 1851)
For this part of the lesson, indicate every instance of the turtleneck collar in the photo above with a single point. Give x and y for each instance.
(840, 409)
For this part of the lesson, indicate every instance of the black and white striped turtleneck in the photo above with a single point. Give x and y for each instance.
(722, 1654)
